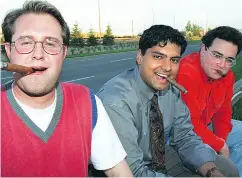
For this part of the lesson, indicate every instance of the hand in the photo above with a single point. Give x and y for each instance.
(224, 151)
(205, 168)
(217, 173)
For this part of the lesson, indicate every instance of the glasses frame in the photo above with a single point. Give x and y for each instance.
(219, 60)
(42, 42)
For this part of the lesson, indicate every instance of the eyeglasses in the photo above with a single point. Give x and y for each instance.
(25, 45)
(229, 61)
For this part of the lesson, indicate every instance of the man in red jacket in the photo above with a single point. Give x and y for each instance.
(208, 77)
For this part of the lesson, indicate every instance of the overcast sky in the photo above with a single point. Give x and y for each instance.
(120, 13)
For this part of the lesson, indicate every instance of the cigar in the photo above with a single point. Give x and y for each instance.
(179, 87)
(220, 73)
(16, 68)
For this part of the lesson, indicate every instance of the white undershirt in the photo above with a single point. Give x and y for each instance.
(106, 150)
(41, 117)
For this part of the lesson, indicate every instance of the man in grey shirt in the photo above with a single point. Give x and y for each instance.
(127, 99)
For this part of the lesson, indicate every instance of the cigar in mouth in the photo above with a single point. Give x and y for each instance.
(16, 68)
(220, 73)
(178, 86)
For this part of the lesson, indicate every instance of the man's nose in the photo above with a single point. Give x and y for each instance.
(167, 65)
(38, 51)
(222, 63)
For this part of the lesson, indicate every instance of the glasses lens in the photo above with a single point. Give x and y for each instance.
(230, 62)
(52, 46)
(24, 45)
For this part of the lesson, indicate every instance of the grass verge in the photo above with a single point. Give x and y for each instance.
(237, 108)
(194, 41)
(237, 69)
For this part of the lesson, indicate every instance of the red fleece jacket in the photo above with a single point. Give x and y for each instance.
(208, 101)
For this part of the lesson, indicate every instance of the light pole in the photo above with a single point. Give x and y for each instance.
(99, 19)
(132, 28)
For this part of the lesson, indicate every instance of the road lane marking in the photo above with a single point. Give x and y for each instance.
(82, 60)
(79, 79)
(122, 59)
(6, 78)
(197, 45)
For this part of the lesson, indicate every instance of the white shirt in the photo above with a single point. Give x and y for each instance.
(106, 148)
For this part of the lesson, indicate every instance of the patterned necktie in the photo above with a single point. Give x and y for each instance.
(157, 140)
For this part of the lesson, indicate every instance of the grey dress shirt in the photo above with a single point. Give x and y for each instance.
(127, 101)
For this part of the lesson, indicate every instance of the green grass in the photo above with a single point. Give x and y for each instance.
(98, 53)
(237, 69)
(193, 41)
(237, 108)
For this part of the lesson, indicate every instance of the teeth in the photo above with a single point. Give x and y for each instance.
(162, 75)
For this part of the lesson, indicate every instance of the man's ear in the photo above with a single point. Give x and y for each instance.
(65, 50)
(202, 50)
(8, 49)
(139, 57)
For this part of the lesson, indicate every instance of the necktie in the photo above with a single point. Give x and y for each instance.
(157, 140)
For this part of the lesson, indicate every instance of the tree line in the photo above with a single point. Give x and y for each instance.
(78, 40)
(194, 31)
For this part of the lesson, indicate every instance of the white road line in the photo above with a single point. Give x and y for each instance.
(83, 60)
(6, 78)
(122, 59)
(80, 79)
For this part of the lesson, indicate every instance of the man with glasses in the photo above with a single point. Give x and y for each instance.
(209, 80)
(50, 128)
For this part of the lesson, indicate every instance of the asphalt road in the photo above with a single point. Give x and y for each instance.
(94, 71)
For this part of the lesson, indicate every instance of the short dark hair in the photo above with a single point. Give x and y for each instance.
(38, 7)
(161, 34)
(225, 33)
